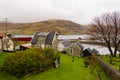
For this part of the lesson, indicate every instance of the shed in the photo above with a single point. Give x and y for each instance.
(87, 52)
(25, 46)
(75, 49)
(95, 52)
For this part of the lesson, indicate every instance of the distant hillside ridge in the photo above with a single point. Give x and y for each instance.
(58, 25)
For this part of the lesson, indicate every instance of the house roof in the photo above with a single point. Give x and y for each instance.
(66, 43)
(34, 39)
(26, 45)
(88, 50)
(79, 45)
(50, 38)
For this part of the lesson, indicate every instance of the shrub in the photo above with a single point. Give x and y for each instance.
(24, 62)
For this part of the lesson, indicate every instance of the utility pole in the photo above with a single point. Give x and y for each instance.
(6, 24)
(6, 34)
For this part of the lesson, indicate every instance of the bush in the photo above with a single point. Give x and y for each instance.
(24, 62)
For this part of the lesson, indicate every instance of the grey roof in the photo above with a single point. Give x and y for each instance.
(94, 51)
(66, 43)
(87, 52)
(79, 45)
(50, 38)
(34, 39)
(88, 49)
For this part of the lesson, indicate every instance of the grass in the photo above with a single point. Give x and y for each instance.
(115, 61)
(67, 71)
(2, 57)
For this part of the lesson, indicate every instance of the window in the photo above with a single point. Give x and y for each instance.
(71, 51)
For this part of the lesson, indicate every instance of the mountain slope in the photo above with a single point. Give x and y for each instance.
(61, 26)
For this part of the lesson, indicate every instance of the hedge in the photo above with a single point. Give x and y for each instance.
(24, 62)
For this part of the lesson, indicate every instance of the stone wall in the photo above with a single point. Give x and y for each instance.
(111, 72)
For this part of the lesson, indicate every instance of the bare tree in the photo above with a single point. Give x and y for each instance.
(106, 28)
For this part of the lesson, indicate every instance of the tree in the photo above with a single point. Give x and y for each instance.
(106, 28)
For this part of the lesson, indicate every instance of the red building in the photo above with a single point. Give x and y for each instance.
(25, 38)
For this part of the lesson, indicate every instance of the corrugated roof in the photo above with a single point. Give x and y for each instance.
(89, 50)
(95, 51)
(50, 38)
(26, 45)
(79, 45)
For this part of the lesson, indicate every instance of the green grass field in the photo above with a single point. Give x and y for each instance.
(67, 71)
(115, 61)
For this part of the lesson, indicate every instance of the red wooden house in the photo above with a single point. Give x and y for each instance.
(25, 38)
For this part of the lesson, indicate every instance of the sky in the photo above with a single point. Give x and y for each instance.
(79, 11)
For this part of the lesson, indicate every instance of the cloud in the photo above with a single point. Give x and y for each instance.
(81, 11)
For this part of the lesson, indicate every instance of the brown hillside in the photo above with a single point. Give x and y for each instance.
(61, 26)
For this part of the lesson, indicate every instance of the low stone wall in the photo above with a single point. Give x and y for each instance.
(111, 72)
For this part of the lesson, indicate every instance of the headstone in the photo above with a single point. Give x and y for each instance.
(56, 63)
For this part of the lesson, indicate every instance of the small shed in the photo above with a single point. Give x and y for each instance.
(25, 46)
(75, 49)
(95, 52)
(87, 52)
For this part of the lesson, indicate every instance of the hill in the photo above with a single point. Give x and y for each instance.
(61, 26)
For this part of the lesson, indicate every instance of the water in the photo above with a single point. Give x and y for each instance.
(73, 36)
(101, 49)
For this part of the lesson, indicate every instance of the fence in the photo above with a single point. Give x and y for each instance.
(111, 72)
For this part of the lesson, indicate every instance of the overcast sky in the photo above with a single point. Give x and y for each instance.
(80, 11)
